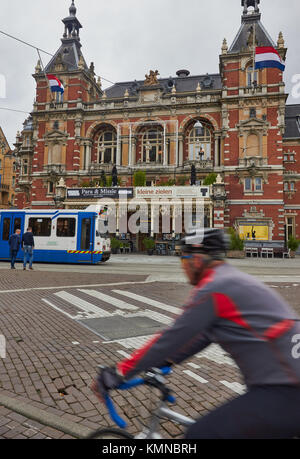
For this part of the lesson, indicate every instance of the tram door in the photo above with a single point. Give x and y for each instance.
(10, 222)
(86, 233)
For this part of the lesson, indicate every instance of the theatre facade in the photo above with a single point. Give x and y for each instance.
(234, 123)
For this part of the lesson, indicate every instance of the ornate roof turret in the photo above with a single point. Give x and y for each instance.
(248, 3)
(69, 56)
(72, 25)
(250, 18)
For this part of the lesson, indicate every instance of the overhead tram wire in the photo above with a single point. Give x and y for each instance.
(13, 110)
(46, 52)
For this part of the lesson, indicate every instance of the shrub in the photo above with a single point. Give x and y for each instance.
(210, 179)
(236, 242)
(139, 178)
(115, 243)
(293, 244)
(149, 243)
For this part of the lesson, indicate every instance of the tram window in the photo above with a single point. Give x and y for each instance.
(66, 227)
(41, 227)
(17, 224)
(6, 228)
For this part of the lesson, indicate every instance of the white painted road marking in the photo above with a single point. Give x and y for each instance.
(124, 354)
(89, 308)
(110, 300)
(155, 304)
(235, 387)
(194, 376)
(216, 354)
(193, 365)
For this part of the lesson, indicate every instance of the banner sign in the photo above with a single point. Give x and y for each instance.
(98, 193)
(254, 233)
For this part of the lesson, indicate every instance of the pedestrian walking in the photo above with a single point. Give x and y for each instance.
(28, 247)
(14, 246)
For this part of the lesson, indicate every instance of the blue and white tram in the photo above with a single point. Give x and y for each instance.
(60, 236)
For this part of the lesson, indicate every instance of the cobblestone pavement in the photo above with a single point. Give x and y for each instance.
(52, 351)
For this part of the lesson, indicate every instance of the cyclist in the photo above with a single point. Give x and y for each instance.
(251, 323)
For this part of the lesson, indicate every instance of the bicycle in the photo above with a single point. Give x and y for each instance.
(154, 378)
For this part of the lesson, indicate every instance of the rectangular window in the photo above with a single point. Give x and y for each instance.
(17, 224)
(286, 158)
(258, 184)
(248, 184)
(41, 227)
(290, 227)
(50, 187)
(292, 186)
(286, 186)
(66, 227)
(6, 229)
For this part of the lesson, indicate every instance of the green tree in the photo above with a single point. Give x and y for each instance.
(139, 178)
(210, 179)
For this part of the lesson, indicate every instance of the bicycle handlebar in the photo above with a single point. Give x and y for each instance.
(129, 385)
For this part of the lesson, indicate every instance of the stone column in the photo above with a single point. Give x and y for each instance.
(119, 145)
(180, 151)
(165, 148)
(88, 155)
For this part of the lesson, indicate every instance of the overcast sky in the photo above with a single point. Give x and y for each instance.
(125, 39)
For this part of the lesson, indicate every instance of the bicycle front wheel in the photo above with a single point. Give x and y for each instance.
(110, 434)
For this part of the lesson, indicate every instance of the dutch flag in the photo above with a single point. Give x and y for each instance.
(268, 57)
(55, 84)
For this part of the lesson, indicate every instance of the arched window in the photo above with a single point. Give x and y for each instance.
(199, 143)
(152, 145)
(107, 147)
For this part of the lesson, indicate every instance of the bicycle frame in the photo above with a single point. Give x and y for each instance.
(163, 412)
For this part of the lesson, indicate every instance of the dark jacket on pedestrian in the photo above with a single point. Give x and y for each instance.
(14, 242)
(28, 239)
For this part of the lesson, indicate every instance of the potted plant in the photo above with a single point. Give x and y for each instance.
(149, 245)
(236, 249)
(293, 245)
(115, 245)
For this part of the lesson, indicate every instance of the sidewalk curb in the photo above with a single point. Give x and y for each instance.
(48, 419)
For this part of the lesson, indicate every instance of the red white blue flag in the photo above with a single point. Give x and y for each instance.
(55, 84)
(268, 57)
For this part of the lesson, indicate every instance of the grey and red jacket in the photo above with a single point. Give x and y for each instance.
(245, 317)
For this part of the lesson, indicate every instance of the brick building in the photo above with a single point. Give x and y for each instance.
(234, 123)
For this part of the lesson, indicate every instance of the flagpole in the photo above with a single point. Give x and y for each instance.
(43, 68)
(254, 45)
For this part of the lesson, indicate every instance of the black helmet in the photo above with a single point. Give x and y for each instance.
(210, 241)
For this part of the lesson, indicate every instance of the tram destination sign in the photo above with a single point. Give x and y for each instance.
(98, 193)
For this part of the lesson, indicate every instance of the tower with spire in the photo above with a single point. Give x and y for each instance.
(253, 116)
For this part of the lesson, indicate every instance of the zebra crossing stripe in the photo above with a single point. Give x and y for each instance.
(83, 305)
(195, 376)
(149, 301)
(235, 387)
(110, 300)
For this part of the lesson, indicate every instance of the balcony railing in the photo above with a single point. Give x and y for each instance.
(199, 164)
(55, 169)
(253, 161)
(4, 187)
